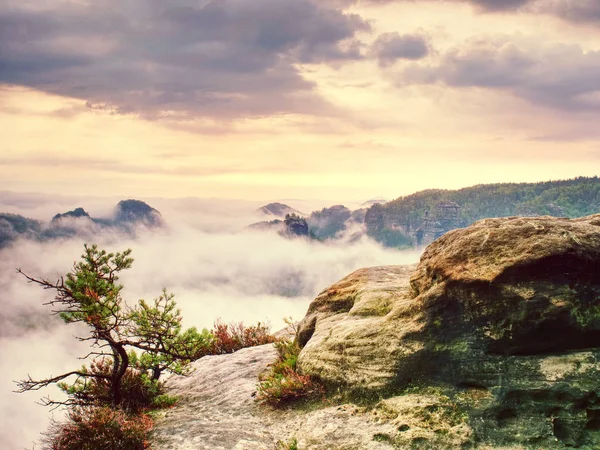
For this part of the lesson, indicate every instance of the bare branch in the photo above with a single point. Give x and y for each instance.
(32, 385)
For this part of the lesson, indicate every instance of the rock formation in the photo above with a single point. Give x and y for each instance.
(129, 215)
(14, 226)
(76, 213)
(135, 212)
(217, 411)
(503, 317)
(295, 225)
(491, 342)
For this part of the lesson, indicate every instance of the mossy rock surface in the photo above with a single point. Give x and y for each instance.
(505, 312)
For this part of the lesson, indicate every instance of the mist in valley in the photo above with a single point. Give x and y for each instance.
(216, 268)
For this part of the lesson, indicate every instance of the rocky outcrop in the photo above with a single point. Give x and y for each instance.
(492, 342)
(135, 212)
(294, 226)
(500, 319)
(128, 217)
(217, 411)
(76, 213)
(419, 218)
(267, 225)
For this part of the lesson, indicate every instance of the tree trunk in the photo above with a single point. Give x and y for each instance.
(156, 372)
(119, 369)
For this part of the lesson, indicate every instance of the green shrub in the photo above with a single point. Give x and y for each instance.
(164, 401)
(139, 391)
(292, 444)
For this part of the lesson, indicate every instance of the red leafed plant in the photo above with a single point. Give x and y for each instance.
(99, 428)
(235, 336)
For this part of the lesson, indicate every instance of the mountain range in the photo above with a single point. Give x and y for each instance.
(128, 215)
(420, 218)
(413, 220)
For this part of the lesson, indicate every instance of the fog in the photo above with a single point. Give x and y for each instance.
(215, 268)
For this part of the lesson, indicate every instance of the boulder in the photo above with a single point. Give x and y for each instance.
(502, 318)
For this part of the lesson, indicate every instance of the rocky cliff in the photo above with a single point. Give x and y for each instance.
(492, 341)
(419, 218)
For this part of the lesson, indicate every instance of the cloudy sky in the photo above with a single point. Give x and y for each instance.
(264, 99)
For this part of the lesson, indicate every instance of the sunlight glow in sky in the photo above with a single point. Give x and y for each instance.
(266, 99)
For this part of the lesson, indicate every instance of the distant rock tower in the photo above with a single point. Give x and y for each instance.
(447, 214)
(445, 218)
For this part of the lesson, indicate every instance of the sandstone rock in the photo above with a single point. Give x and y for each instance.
(502, 316)
(355, 331)
(217, 411)
(216, 408)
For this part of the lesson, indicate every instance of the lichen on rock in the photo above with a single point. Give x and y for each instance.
(491, 342)
(509, 307)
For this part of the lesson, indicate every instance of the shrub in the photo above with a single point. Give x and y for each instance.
(138, 389)
(99, 428)
(292, 444)
(229, 338)
(283, 384)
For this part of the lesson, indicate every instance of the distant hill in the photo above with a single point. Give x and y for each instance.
(128, 216)
(292, 226)
(278, 210)
(373, 201)
(136, 212)
(267, 225)
(77, 213)
(422, 217)
(13, 226)
(329, 222)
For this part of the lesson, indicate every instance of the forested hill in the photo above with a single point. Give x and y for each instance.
(425, 215)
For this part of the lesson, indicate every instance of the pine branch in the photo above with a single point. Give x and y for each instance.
(32, 385)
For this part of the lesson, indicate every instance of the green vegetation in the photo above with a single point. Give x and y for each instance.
(570, 198)
(283, 384)
(295, 225)
(13, 226)
(90, 294)
(292, 444)
(131, 347)
(396, 223)
(328, 222)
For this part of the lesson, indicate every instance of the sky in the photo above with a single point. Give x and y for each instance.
(207, 109)
(337, 100)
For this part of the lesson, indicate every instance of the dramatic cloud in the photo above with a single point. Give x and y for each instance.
(565, 77)
(238, 276)
(499, 5)
(225, 58)
(389, 47)
(569, 10)
(486, 5)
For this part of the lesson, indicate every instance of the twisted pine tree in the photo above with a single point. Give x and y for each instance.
(90, 294)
